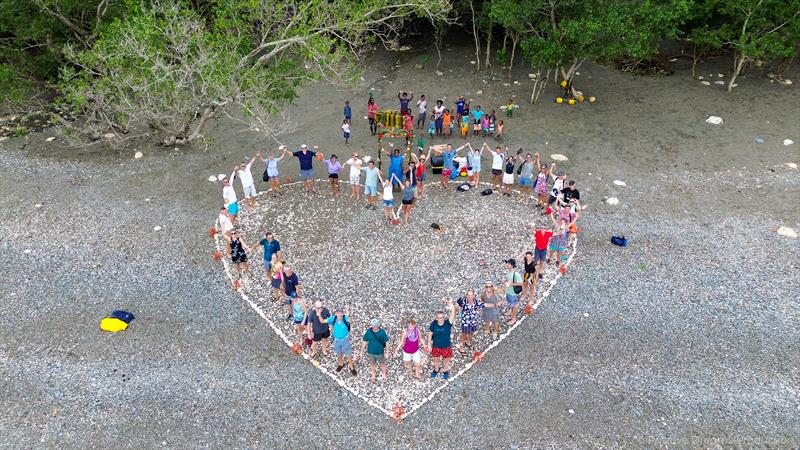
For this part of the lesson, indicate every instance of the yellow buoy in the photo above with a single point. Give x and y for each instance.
(559, 100)
(563, 83)
(592, 99)
(571, 101)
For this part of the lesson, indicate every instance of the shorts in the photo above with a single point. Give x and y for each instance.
(388, 203)
(469, 329)
(241, 258)
(540, 255)
(342, 347)
(447, 172)
(508, 178)
(556, 248)
(496, 172)
(416, 357)
(370, 191)
(276, 283)
(424, 176)
(355, 180)
(290, 296)
(551, 199)
(333, 176)
(297, 322)
(526, 182)
(512, 299)
(347, 135)
(376, 359)
(491, 314)
(529, 277)
(421, 117)
(445, 353)
(249, 191)
(320, 336)
(408, 202)
(233, 208)
(273, 173)
(268, 265)
(306, 174)
(371, 120)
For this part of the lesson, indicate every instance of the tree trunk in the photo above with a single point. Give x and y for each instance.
(539, 85)
(477, 38)
(182, 138)
(738, 63)
(488, 47)
(505, 39)
(514, 41)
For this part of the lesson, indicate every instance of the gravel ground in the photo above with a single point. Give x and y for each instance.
(686, 338)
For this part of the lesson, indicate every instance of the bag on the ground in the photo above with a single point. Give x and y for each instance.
(124, 316)
(112, 325)
(622, 241)
(463, 187)
(487, 192)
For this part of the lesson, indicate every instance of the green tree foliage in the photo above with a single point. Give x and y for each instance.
(752, 29)
(168, 67)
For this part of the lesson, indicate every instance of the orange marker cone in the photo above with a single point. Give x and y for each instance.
(217, 255)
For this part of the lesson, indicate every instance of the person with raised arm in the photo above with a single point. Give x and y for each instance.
(272, 171)
(395, 165)
(474, 165)
(355, 164)
(497, 165)
(540, 184)
(525, 176)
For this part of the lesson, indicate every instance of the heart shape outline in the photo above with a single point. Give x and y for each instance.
(397, 415)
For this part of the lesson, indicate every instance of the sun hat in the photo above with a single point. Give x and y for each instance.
(303, 146)
(374, 323)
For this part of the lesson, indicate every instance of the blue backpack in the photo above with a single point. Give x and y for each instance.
(124, 316)
(622, 241)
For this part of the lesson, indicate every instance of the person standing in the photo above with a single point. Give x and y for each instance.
(299, 316)
(273, 173)
(248, 184)
(407, 198)
(477, 116)
(404, 100)
(388, 199)
(317, 327)
(513, 289)
(340, 330)
(469, 307)
(346, 131)
(540, 184)
(571, 192)
(306, 158)
(374, 342)
(422, 111)
(438, 116)
(229, 197)
(411, 344)
(440, 342)
(474, 165)
(271, 247)
(395, 165)
(348, 112)
(291, 286)
(497, 165)
(529, 277)
(525, 177)
(225, 224)
(355, 175)
(372, 109)
(541, 239)
(447, 163)
(237, 251)
(334, 166)
(371, 183)
(508, 176)
(491, 308)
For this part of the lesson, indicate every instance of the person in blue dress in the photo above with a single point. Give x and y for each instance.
(395, 166)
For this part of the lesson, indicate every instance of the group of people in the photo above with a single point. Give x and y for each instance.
(444, 119)
(316, 326)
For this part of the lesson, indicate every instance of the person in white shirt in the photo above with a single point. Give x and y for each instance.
(225, 224)
(246, 178)
(498, 156)
(422, 106)
(229, 197)
(388, 196)
(355, 175)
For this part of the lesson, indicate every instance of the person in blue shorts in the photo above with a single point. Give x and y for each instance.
(371, 183)
(348, 112)
(271, 246)
(306, 158)
(513, 284)
(339, 323)
(525, 176)
(291, 286)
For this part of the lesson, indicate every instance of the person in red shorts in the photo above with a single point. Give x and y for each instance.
(440, 343)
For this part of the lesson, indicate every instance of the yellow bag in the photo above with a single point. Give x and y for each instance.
(112, 324)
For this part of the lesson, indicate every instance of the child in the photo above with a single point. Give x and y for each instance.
(492, 122)
(464, 126)
(432, 127)
(446, 122)
(346, 130)
(348, 113)
(510, 107)
(485, 125)
(500, 127)
(409, 125)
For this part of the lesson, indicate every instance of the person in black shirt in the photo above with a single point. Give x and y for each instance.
(570, 192)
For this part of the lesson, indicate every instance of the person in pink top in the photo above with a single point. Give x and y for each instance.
(412, 345)
(372, 108)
